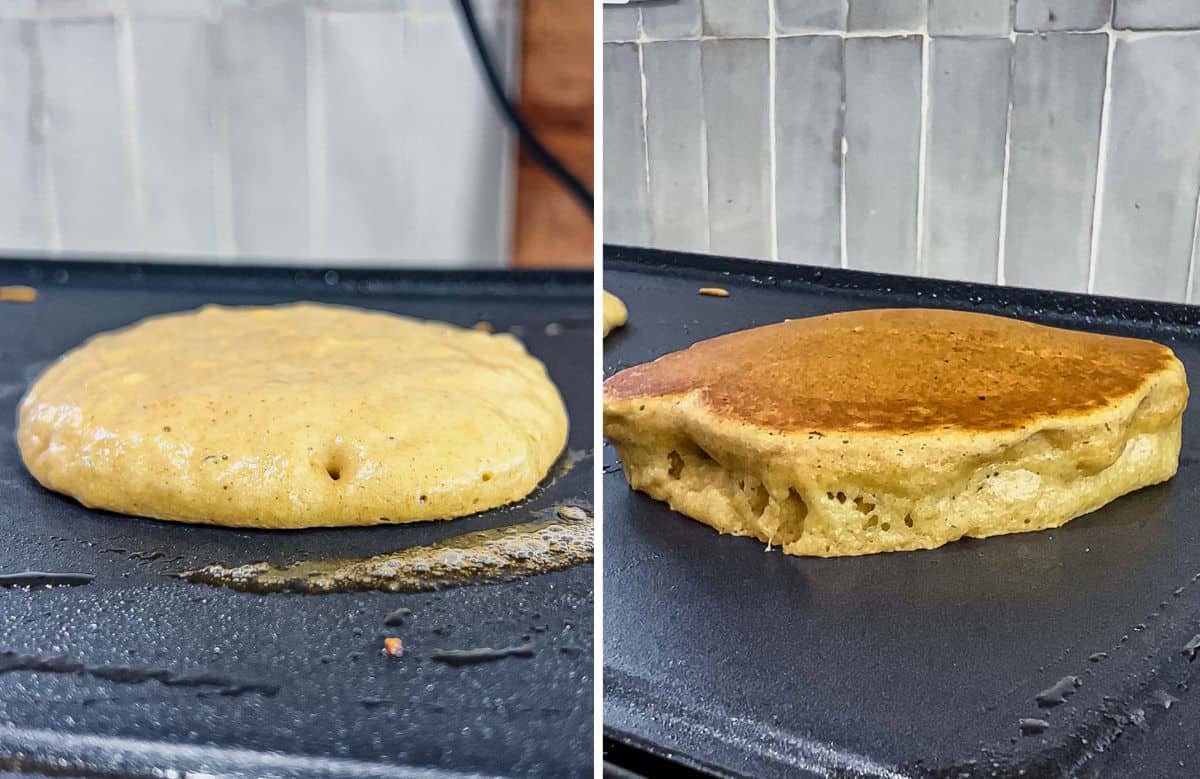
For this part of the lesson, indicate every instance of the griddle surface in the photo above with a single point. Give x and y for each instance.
(731, 660)
(342, 709)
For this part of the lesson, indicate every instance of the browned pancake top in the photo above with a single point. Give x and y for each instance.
(899, 370)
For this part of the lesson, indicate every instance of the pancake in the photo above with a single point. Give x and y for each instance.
(293, 416)
(615, 313)
(889, 430)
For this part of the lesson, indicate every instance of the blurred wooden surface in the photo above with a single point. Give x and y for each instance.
(556, 101)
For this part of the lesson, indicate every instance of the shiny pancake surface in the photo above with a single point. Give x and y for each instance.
(897, 429)
(900, 370)
(293, 416)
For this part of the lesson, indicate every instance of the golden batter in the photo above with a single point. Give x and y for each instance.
(615, 313)
(293, 416)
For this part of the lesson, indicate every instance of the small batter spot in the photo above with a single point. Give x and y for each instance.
(18, 294)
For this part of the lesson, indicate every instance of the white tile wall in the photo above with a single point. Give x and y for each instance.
(328, 131)
(25, 218)
(1054, 141)
(883, 148)
(1046, 143)
(964, 157)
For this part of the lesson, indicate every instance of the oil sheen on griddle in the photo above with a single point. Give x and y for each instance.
(482, 557)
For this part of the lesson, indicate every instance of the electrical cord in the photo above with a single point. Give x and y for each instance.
(532, 143)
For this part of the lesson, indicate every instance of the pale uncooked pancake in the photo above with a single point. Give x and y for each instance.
(293, 416)
(893, 430)
(615, 313)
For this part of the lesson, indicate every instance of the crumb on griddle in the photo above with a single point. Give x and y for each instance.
(714, 292)
(484, 327)
(396, 617)
(393, 647)
(18, 294)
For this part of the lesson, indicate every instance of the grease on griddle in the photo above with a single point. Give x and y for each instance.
(1058, 692)
(566, 463)
(1163, 698)
(45, 579)
(396, 618)
(483, 557)
(1031, 727)
(1192, 647)
(483, 654)
(11, 662)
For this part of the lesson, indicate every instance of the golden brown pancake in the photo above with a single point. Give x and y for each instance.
(293, 416)
(899, 429)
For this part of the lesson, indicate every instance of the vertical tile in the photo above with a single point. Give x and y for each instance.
(675, 144)
(810, 15)
(415, 153)
(808, 149)
(626, 201)
(260, 65)
(1194, 276)
(736, 78)
(1152, 176)
(1156, 14)
(621, 22)
(1043, 15)
(23, 217)
(93, 187)
(964, 157)
(883, 132)
(671, 19)
(175, 109)
(969, 17)
(729, 18)
(886, 15)
(1058, 88)
(465, 155)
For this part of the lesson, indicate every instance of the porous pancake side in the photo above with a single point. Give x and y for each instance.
(813, 496)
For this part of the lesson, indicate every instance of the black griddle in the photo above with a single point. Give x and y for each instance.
(180, 677)
(727, 660)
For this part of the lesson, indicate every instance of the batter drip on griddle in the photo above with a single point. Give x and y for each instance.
(482, 557)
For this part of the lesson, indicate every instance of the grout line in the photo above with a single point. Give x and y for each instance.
(130, 126)
(508, 33)
(773, 165)
(845, 251)
(1189, 290)
(922, 151)
(1121, 35)
(704, 193)
(315, 135)
(844, 259)
(1002, 236)
(1101, 165)
(645, 128)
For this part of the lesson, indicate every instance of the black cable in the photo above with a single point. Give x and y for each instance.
(541, 154)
